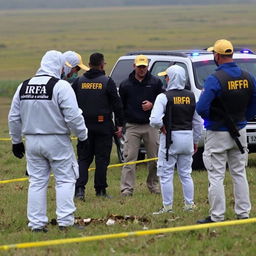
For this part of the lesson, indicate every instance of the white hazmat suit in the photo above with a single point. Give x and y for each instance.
(182, 147)
(46, 116)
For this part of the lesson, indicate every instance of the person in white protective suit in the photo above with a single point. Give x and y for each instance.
(74, 63)
(44, 109)
(181, 127)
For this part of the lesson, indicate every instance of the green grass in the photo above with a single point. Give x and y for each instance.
(234, 240)
(26, 35)
(8, 87)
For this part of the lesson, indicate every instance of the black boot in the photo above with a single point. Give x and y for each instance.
(205, 221)
(79, 193)
(102, 193)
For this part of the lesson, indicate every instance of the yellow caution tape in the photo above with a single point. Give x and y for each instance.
(8, 139)
(129, 163)
(5, 139)
(13, 180)
(126, 234)
(90, 169)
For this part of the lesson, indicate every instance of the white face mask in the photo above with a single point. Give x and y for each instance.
(66, 70)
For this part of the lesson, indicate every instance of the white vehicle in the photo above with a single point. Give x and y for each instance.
(199, 65)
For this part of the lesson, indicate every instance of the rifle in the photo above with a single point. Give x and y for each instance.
(167, 123)
(234, 133)
(119, 146)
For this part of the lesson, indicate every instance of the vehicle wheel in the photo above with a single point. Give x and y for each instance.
(198, 163)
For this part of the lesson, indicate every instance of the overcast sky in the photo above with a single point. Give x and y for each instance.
(35, 4)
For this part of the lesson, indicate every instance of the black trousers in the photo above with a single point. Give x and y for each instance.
(99, 146)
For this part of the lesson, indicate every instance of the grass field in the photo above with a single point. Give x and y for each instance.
(26, 35)
(234, 240)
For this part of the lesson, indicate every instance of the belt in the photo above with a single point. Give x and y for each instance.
(98, 118)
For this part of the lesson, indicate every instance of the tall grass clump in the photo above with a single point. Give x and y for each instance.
(8, 87)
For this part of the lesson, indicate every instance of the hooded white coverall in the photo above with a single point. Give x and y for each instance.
(182, 147)
(46, 125)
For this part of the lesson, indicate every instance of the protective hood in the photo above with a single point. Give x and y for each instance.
(52, 64)
(73, 59)
(177, 78)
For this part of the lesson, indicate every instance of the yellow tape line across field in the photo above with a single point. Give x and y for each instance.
(126, 234)
(5, 139)
(8, 139)
(90, 169)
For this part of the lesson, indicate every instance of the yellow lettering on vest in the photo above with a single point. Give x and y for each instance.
(93, 86)
(181, 100)
(231, 85)
(238, 84)
(246, 84)
(241, 83)
(187, 100)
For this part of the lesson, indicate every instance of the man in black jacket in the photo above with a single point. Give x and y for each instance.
(97, 97)
(138, 93)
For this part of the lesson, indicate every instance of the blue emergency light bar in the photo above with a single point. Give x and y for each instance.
(193, 54)
(248, 51)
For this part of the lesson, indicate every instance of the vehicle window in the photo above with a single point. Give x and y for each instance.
(203, 69)
(183, 65)
(247, 65)
(122, 70)
(160, 66)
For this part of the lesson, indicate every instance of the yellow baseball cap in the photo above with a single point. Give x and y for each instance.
(163, 73)
(141, 60)
(222, 46)
(81, 64)
(74, 59)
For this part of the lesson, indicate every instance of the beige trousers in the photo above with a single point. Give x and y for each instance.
(133, 136)
(220, 149)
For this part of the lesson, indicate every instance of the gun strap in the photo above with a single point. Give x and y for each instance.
(229, 122)
(222, 76)
(238, 143)
(167, 123)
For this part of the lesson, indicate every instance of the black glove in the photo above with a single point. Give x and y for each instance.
(18, 150)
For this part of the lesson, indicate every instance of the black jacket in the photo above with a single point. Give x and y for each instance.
(97, 96)
(133, 93)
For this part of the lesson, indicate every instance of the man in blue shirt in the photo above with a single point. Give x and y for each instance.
(227, 102)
